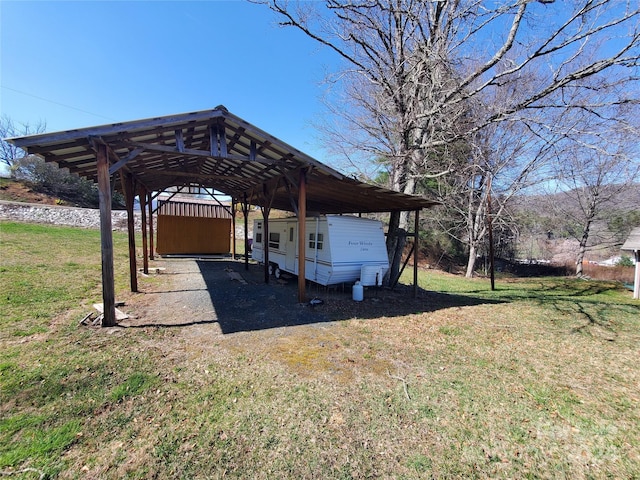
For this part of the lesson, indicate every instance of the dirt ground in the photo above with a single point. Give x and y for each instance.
(19, 192)
(218, 297)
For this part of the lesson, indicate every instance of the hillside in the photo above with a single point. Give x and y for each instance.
(24, 191)
(630, 200)
(17, 191)
(550, 225)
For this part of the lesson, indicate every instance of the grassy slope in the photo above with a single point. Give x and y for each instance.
(536, 380)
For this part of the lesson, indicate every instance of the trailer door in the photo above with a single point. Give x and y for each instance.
(291, 248)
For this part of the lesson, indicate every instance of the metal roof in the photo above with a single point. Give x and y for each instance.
(633, 242)
(215, 149)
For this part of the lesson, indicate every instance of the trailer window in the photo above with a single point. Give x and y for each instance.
(291, 234)
(313, 242)
(259, 237)
(274, 240)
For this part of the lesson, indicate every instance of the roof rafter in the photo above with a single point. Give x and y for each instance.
(214, 149)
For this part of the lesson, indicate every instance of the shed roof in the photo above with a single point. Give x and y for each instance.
(633, 242)
(215, 149)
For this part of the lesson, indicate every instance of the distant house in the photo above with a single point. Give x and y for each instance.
(633, 245)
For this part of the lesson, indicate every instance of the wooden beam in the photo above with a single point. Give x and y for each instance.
(150, 204)
(265, 240)
(197, 175)
(94, 141)
(119, 128)
(121, 163)
(294, 206)
(268, 201)
(214, 151)
(222, 137)
(170, 197)
(233, 228)
(128, 190)
(302, 225)
(106, 237)
(245, 213)
(212, 195)
(179, 141)
(142, 195)
(201, 153)
(268, 197)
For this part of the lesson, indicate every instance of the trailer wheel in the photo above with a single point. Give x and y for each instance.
(277, 272)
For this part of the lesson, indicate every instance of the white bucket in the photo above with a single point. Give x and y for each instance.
(358, 292)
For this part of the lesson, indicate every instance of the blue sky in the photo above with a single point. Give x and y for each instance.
(76, 64)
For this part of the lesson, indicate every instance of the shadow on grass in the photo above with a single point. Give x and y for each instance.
(223, 292)
(577, 302)
(238, 300)
(256, 305)
(551, 290)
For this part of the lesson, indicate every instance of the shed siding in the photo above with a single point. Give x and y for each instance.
(193, 235)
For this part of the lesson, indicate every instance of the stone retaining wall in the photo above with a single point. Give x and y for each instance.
(60, 215)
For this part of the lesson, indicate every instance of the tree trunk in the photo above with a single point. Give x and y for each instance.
(398, 222)
(475, 224)
(396, 258)
(583, 247)
(392, 245)
(396, 240)
(471, 261)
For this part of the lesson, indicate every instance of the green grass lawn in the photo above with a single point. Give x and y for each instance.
(538, 379)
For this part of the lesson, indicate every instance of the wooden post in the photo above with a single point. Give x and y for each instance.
(416, 247)
(245, 211)
(233, 228)
(128, 190)
(142, 195)
(265, 217)
(150, 203)
(265, 240)
(302, 226)
(106, 236)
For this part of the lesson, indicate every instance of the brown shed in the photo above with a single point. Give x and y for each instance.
(193, 226)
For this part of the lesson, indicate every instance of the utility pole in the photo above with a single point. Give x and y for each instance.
(490, 227)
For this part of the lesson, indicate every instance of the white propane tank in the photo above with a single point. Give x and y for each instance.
(358, 292)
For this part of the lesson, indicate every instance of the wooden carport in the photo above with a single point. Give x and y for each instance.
(211, 149)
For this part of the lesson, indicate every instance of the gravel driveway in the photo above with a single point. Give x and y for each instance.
(219, 295)
(220, 291)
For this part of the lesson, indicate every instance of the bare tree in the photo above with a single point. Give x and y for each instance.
(419, 75)
(10, 153)
(598, 167)
(503, 159)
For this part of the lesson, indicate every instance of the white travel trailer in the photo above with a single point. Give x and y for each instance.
(339, 249)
